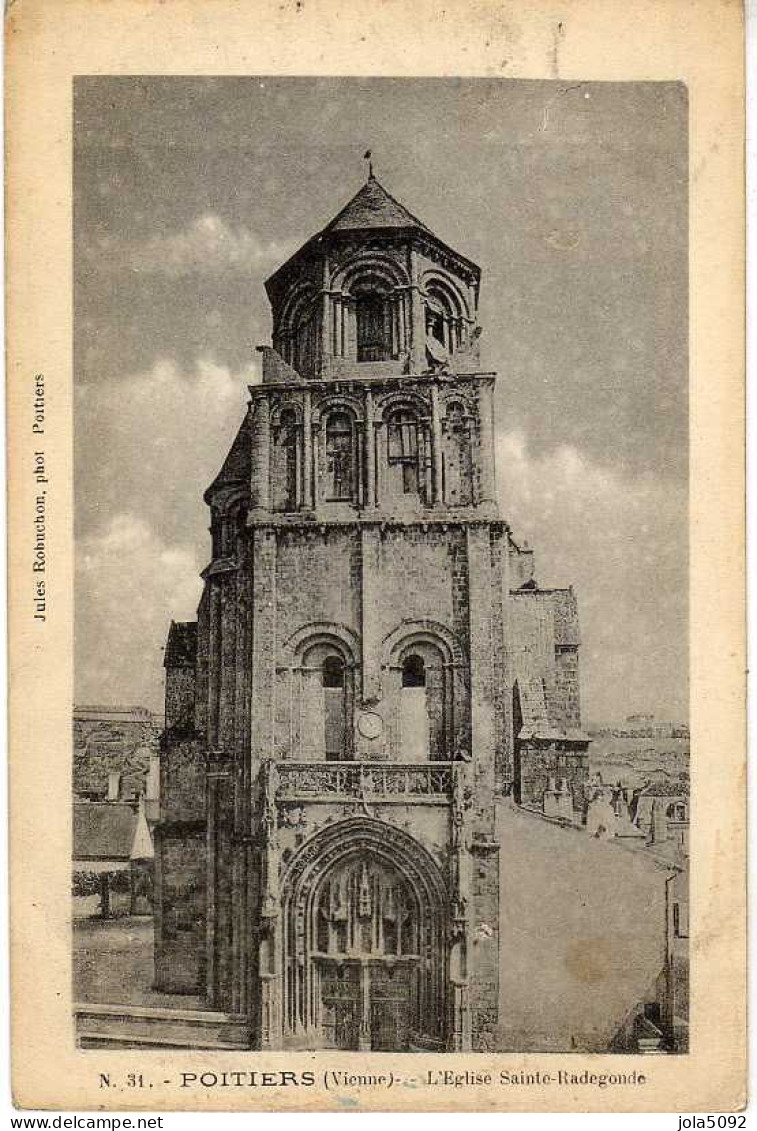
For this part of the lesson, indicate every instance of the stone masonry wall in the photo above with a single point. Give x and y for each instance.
(343, 580)
(180, 909)
(180, 853)
(316, 574)
(566, 702)
(485, 943)
(180, 843)
(502, 699)
(182, 780)
(543, 647)
(541, 761)
(180, 696)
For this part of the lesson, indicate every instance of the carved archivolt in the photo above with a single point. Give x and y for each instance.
(466, 401)
(226, 502)
(361, 891)
(406, 399)
(297, 304)
(401, 639)
(343, 639)
(284, 406)
(370, 267)
(441, 289)
(365, 834)
(340, 402)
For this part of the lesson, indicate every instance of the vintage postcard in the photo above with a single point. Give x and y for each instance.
(377, 597)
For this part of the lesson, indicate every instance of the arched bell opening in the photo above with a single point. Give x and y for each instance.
(373, 319)
(426, 707)
(370, 311)
(403, 454)
(446, 315)
(457, 457)
(316, 691)
(364, 942)
(296, 334)
(415, 722)
(286, 471)
(328, 691)
(341, 457)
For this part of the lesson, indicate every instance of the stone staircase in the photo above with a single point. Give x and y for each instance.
(137, 1027)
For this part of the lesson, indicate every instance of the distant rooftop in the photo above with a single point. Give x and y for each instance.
(103, 831)
(679, 787)
(181, 646)
(114, 713)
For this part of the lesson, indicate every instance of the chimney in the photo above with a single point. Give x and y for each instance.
(152, 779)
(114, 786)
(564, 800)
(659, 827)
(551, 800)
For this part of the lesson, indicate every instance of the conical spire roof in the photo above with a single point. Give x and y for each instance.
(374, 207)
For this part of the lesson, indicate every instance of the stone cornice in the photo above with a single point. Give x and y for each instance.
(314, 522)
(391, 381)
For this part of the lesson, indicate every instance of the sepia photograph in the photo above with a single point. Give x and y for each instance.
(381, 532)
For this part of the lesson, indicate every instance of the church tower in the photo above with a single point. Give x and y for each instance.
(372, 670)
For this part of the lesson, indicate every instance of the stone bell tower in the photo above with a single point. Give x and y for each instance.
(372, 667)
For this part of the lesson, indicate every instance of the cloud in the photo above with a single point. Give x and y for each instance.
(169, 391)
(620, 540)
(151, 442)
(130, 584)
(205, 246)
(147, 447)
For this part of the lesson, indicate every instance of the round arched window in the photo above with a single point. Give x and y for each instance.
(286, 485)
(413, 671)
(402, 440)
(332, 672)
(339, 456)
(374, 338)
(435, 324)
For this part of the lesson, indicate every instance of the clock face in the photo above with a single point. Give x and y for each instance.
(370, 725)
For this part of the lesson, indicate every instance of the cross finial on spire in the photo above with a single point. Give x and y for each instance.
(367, 157)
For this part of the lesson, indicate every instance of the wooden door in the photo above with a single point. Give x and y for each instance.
(340, 1006)
(392, 1005)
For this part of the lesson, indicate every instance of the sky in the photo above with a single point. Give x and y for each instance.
(189, 192)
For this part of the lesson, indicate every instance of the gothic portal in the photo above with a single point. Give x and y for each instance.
(373, 666)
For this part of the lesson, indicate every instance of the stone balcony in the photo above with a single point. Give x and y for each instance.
(388, 782)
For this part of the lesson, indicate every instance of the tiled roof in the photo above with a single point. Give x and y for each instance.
(237, 465)
(181, 646)
(374, 207)
(536, 724)
(532, 704)
(117, 713)
(678, 788)
(371, 209)
(103, 831)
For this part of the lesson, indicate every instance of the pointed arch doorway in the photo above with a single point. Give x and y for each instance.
(364, 942)
(367, 957)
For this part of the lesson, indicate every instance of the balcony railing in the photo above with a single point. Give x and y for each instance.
(389, 782)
